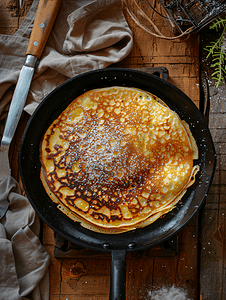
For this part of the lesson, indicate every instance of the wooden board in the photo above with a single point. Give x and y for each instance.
(212, 240)
(12, 16)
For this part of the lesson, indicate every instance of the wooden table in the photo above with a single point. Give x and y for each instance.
(85, 274)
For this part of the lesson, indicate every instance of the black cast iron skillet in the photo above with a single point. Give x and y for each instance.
(138, 239)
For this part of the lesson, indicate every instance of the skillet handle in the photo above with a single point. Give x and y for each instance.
(118, 275)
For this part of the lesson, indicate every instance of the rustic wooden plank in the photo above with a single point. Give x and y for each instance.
(12, 16)
(85, 277)
(54, 271)
(212, 268)
(180, 270)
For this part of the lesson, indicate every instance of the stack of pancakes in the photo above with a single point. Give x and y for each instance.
(117, 159)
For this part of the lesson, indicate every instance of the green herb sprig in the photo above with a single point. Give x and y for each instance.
(217, 51)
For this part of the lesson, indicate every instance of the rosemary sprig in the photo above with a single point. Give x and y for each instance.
(217, 51)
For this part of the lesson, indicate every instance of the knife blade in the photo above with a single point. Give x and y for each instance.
(45, 16)
(15, 111)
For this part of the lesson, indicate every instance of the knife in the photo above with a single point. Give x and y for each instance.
(45, 16)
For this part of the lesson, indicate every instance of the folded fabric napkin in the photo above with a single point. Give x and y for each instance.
(24, 261)
(87, 35)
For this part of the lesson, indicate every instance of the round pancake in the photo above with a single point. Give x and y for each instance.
(117, 158)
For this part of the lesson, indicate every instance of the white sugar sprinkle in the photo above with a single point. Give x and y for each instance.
(169, 293)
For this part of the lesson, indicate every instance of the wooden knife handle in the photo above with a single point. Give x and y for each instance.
(45, 16)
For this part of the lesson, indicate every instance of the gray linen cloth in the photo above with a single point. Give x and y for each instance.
(23, 260)
(87, 35)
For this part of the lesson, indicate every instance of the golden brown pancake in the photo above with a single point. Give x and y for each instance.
(117, 159)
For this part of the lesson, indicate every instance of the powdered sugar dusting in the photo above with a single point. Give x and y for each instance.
(169, 293)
